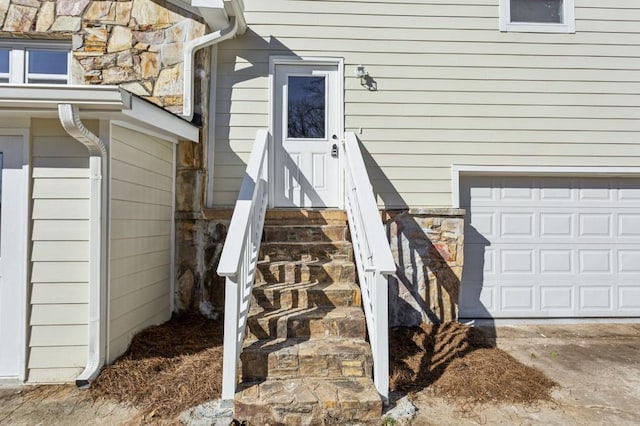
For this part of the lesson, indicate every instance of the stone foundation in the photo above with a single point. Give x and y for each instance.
(199, 245)
(427, 245)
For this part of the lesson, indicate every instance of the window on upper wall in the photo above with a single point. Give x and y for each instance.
(34, 63)
(540, 16)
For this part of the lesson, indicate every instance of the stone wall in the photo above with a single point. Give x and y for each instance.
(199, 245)
(428, 246)
(133, 43)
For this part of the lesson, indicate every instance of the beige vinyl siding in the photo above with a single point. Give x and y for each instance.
(452, 88)
(59, 254)
(142, 171)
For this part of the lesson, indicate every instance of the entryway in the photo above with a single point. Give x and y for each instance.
(307, 128)
(13, 218)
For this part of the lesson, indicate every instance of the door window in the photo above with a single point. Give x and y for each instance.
(306, 107)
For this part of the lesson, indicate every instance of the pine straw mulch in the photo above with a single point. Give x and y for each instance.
(171, 367)
(168, 368)
(458, 362)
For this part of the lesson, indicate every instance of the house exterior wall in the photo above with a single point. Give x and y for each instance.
(142, 179)
(59, 264)
(451, 89)
(137, 43)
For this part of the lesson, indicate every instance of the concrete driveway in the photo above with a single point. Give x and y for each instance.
(597, 367)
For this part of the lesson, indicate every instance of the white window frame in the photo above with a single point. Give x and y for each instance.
(19, 61)
(568, 26)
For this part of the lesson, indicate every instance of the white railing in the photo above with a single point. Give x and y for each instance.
(373, 257)
(239, 258)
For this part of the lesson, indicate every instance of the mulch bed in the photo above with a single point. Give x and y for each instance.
(458, 362)
(171, 367)
(168, 368)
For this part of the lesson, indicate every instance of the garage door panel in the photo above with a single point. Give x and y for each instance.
(629, 298)
(558, 298)
(562, 247)
(518, 261)
(517, 299)
(476, 299)
(629, 225)
(595, 262)
(556, 261)
(596, 298)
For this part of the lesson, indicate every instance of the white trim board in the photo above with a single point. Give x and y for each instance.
(459, 169)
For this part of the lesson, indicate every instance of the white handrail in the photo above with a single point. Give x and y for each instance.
(374, 260)
(239, 258)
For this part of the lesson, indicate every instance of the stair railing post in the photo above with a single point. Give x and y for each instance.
(230, 339)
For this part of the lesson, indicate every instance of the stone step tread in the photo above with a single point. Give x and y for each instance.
(313, 323)
(315, 312)
(308, 285)
(321, 270)
(291, 358)
(306, 251)
(305, 347)
(314, 400)
(305, 233)
(321, 216)
(306, 295)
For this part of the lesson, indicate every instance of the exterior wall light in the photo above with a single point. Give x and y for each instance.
(361, 72)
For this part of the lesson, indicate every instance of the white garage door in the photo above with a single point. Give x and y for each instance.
(551, 247)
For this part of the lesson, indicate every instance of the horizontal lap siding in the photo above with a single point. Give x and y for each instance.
(59, 254)
(452, 89)
(141, 216)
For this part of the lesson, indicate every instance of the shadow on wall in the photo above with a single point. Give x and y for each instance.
(430, 249)
(252, 52)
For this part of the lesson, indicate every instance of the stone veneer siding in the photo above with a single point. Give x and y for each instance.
(428, 247)
(137, 44)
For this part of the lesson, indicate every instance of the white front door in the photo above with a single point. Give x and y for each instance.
(12, 253)
(306, 136)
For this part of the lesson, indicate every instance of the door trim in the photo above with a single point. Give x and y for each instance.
(304, 61)
(23, 231)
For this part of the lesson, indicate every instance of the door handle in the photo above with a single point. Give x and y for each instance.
(334, 150)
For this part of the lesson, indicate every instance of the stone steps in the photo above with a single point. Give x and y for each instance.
(309, 401)
(304, 251)
(291, 358)
(322, 271)
(306, 294)
(305, 358)
(305, 233)
(308, 322)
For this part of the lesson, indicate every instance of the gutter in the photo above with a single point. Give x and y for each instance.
(237, 25)
(69, 115)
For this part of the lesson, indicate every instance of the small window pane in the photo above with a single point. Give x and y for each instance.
(543, 11)
(306, 107)
(47, 62)
(4, 61)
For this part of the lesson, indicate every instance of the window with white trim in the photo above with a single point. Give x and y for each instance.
(540, 16)
(34, 63)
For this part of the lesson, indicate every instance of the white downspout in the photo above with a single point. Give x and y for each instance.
(70, 119)
(189, 57)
